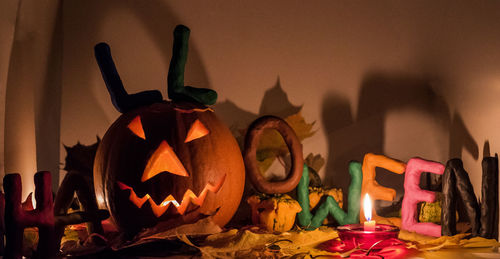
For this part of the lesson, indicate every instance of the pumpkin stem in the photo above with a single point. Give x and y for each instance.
(122, 101)
(176, 89)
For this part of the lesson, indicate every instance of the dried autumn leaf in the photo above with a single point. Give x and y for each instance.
(266, 160)
(315, 162)
(300, 126)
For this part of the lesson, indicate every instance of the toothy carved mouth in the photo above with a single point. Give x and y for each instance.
(189, 196)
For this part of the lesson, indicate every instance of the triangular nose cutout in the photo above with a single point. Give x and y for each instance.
(163, 159)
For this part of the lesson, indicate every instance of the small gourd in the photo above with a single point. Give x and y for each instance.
(275, 213)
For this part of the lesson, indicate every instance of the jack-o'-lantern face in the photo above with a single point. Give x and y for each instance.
(166, 161)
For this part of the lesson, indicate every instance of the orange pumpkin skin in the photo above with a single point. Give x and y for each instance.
(210, 160)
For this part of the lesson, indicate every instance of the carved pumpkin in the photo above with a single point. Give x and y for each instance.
(165, 162)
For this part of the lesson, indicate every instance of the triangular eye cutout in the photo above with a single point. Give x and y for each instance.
(196, 131)
(136, 127)
(163, 159)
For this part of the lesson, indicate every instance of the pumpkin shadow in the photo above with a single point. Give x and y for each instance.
(350, 136)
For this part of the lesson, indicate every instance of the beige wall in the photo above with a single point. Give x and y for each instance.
(401, 78)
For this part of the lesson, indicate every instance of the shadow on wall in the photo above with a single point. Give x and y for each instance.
(351, 137)
(275, 102)
(83, 115)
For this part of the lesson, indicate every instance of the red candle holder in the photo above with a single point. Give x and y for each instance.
(355, 235)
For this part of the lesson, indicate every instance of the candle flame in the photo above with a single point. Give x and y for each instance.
(33, 201)
(367, 207)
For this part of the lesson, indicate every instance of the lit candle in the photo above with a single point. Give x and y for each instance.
(369, 224)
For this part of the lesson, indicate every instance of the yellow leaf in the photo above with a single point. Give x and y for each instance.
(266, 163)
(300, 126)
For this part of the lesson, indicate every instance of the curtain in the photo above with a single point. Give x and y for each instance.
(8, 15)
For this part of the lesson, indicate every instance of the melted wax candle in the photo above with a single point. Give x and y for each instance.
(369, 233)
(369, 224)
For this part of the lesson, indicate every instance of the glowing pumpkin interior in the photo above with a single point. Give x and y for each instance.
(164, 160)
